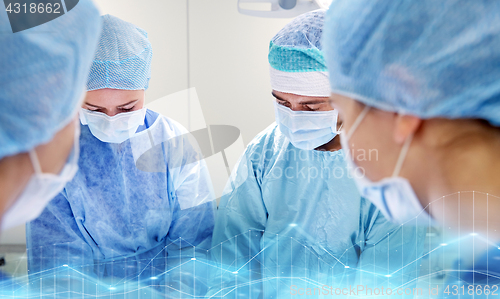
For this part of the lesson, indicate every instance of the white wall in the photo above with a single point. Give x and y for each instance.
(227, 61)
(229, 65)
(15, 235)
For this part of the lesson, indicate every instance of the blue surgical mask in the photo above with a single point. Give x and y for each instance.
(306, 129)
(393, 196)
(113, 129)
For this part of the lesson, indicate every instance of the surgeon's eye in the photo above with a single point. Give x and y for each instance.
(284, 103)
(127, 109)
(316, 106)
(313, 107)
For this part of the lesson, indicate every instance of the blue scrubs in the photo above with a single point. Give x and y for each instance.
(481, 280)
(130, 208)
(10, 288)
(293, 219)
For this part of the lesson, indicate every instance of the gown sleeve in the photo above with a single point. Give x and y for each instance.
(193, 216)
(391, 254)
(240, 223)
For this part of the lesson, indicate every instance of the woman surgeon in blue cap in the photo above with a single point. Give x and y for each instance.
(420, 82)
(42, 77)
(143, 192)
(43, 71)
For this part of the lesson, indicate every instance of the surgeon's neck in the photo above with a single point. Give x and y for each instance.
(461, 180)
(332, 146)
(467, 161)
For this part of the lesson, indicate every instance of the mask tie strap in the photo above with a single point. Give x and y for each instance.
(340, 128)
(402, 156)
(358, 120)
(35, 162)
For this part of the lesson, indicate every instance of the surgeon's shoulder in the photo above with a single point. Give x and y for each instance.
(269, 141)
(177, 139)
(167, 124)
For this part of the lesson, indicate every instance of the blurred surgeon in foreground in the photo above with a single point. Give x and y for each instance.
(142, 194)
(292, 215)
(42, 78)
(43, 71)
(420, 82)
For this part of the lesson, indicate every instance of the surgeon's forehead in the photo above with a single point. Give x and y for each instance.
(110, 96)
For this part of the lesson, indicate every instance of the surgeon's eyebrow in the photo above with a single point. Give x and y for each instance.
(124, 105)
(94, 106)
(277, 97)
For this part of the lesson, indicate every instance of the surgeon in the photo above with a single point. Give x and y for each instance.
(143, 193)
(43, 71)
(40, 97)
(292, 218)
(420, 82)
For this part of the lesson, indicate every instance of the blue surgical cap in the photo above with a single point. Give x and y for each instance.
(123, 58)
(43, 71)
(296, 61)
(297, 47)
(426, 58)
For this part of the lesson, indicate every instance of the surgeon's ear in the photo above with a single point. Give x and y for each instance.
(406, 125)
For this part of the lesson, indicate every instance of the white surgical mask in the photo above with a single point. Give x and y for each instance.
(393, 196)
(41, 188)
(306, 129)
(113, 129)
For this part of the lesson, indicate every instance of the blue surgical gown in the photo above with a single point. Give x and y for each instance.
(479, 280)
(130, 207)
(8, 285)
(293, 219)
